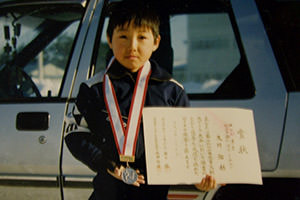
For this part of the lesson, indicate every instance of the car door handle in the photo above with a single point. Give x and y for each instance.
(32, 121)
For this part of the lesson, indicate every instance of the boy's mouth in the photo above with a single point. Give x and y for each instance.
(131, 57)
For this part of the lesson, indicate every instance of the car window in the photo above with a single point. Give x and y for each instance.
(205, 50)
(201, 48)
(35, 49)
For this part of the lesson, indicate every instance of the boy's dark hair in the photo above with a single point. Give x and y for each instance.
(142, 14)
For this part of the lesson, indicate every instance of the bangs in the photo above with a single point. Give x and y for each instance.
(137, 23)
(122, 14)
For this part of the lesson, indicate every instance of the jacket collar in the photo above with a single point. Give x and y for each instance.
(117, 71)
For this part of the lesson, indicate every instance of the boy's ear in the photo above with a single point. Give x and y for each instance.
(156, 43)
(109, 41)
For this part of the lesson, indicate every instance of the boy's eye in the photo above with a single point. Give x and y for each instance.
(142, 37)
(123, 36)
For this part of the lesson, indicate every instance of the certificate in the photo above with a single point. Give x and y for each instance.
(182, 145)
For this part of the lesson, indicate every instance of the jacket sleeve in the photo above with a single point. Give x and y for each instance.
(182, 99)
(82, 143)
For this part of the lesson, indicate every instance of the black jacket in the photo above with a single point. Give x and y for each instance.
(89, 135)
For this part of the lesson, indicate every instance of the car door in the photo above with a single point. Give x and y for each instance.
(36, 49)
(77, 178)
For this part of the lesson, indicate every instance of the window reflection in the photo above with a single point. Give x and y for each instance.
(205, 50)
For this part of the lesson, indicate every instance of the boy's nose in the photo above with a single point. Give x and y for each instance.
(133, 44)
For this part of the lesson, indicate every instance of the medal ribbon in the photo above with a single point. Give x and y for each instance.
(126, 139)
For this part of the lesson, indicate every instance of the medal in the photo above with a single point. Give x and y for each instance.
(126, 137)
(129, 176)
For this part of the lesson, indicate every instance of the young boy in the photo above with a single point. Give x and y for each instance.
(105, 130)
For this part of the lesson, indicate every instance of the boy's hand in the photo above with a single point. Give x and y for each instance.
(206, 184)
(117, 173)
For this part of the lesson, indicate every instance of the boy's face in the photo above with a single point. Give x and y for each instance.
(133, 46)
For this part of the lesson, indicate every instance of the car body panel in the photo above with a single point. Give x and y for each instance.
(289, 162)
(30, 156)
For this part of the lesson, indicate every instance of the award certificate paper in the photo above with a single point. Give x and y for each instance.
(184, 144)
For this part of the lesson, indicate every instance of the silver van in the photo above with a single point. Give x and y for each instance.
(226, 53)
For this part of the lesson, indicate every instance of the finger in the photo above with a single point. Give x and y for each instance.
(206, 183)
(117, 173)
(122, 168)
(137, 184)
(141, 180)
(118, 170)
(212, 183)
(200, 186)
(202, 183)
(209, 183)
(141, 177)
(114, 174)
